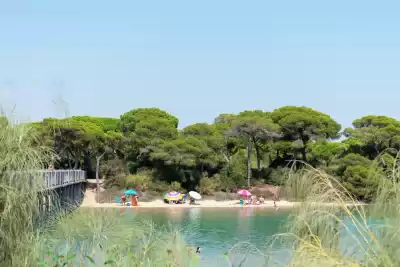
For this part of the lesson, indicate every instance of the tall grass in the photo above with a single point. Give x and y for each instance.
(18, 191)
(83, 238)
(103, 238)
(330, 228)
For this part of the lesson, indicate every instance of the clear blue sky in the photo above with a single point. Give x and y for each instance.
(197, 59)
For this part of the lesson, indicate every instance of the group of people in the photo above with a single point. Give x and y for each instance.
(134, 200)
(254, 201)
(192, 201)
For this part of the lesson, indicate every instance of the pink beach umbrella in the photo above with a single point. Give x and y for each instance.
(244, 193)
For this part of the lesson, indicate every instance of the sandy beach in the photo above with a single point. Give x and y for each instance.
(90, 201)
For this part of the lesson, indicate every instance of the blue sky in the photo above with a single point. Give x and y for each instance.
(197, 59)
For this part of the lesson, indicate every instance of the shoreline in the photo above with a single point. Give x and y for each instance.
(200, 204)
(90, 202)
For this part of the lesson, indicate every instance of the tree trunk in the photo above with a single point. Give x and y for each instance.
(248, 162)
(97, 176)
(303, 154)
(258, 155)
(76, 165)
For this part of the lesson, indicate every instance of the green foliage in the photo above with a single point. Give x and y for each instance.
(256, 126)
(375, 134)
(99, 238)
(114, 173)
(305, 123)
(232, 149)
(209, 185)
(141, 181)
(324, 152)
(175, 186)
(361, 181)
(19, 187)
(159, 186)
(233, 176)
(300, 125)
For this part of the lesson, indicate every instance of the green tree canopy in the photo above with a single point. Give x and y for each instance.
(145, 128)
(374, 134)
(302, 124)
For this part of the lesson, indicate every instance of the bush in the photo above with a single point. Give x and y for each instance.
(233, 176)
(159, 186)
(175, 186)
(279, 176)
(139, 181)
(361, 181)
(208, 186)
(227, 184)
(114, 173)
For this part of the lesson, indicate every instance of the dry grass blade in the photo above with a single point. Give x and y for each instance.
(330, 228)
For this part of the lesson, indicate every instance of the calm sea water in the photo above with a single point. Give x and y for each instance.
(217, 231)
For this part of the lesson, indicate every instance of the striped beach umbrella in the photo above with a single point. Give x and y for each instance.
(173, 196)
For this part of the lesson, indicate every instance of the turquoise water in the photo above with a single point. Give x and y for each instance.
(217, 231)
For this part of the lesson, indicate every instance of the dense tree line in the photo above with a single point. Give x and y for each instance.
(144, 147)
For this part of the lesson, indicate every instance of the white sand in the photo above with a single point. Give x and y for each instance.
(90, 201)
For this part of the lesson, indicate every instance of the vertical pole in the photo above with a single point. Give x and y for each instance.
(248, 162)
(49, 203)
(97, 175)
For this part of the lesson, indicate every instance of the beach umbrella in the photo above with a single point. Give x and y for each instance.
(130, 192)
(173, 196)
(244, 193)
(195, 195)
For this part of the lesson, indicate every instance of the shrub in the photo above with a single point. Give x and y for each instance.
(159, 186)
(114, 173)
(208, 186)
(361, 181)
(139, 181)
(227, 184)
(279, 176)
(175, 186)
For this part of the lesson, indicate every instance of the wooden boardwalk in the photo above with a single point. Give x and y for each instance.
(62, 178)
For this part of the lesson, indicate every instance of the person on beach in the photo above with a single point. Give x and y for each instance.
(135, 201)
(198, 250)
(123, 200)
(276, 206)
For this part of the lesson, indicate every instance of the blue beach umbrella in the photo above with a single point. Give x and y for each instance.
(130, 192)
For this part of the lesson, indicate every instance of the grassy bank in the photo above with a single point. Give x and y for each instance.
(340, 235)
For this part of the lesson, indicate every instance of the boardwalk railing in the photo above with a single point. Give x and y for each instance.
(60, 178)
(44, 179)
